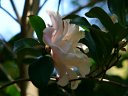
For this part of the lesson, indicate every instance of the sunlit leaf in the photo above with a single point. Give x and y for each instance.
(38, 24)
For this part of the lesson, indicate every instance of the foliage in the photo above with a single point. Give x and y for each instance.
(104, 50)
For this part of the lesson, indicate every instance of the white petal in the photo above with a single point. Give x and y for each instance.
(57, 24)
(47, 35)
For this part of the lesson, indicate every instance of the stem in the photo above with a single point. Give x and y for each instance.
(41, 6)
(23, 67)
(13, 82)
(59, 2)
(84, 6)
(103, 80)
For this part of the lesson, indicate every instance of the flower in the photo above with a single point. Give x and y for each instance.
(63, 39)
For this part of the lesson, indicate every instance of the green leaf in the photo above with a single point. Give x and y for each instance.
(39, 25)
(100, 45)
(25, 43)
(118, 7)
(12, 91)
(99, 13)
(119, 32)
(30, 54)
(81, 21)
(40, 71)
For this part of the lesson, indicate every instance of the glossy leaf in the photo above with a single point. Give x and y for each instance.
(39, 25)
(81, 21)
(25, 43)
(76, 19)
(40, 71)
(99, 13)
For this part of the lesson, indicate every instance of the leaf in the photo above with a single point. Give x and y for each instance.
(40, 71)
(100, 45)
(119, 33)
(104, 44)
(11, 90)
(118, 7)
(39, 25)
(99, 13)
(28, 55)
(25, 43)
(81, 21)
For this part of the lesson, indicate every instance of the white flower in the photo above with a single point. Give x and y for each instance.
(63, 39)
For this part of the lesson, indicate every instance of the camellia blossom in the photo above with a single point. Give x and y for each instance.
(63, 37)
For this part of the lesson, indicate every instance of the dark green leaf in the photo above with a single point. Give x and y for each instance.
(81, 21)
(99, 13)
(40, 71)
(25, 43)
(30, 54)
(104, 44)
(100, 45)
(119, 32)
(39, 25)
(118, 7)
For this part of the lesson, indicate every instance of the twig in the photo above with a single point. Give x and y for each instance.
(41, 6)
(8, 76)
(15, 10)
(9, 14)
(103, 80)
(13, 82)
(84, 6)
(59, 2)
(98, 79)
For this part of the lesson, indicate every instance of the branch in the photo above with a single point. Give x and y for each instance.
(9, 14)
(8, 76)
(15, 10)
(13, 82)
(59, 2)
(41, 6)
(103, 80)
(98, 79)
(24, 19)
(91, 3)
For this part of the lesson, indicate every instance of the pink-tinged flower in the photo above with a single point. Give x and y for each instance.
(63, 39)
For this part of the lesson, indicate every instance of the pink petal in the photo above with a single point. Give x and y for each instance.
(47, 35)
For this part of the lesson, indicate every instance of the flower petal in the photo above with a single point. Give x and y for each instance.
(47, 35)
(57, 24)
